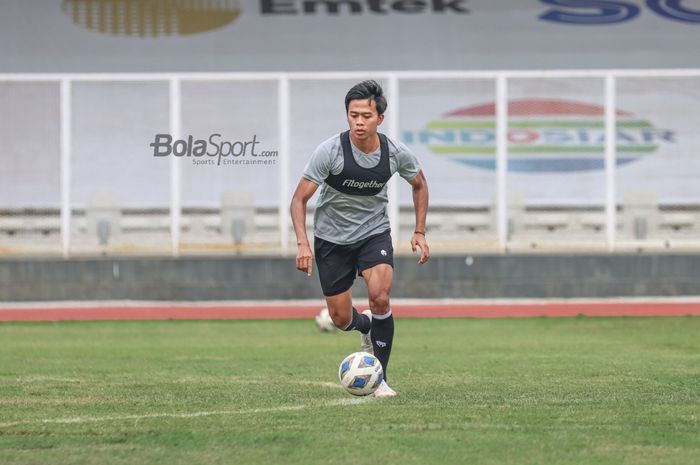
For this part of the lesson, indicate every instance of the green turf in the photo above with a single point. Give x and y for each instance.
(526, 391)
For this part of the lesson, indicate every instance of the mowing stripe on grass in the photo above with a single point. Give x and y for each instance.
(145, 416)
(58, 380)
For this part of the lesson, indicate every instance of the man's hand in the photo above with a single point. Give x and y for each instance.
(305, 259)
(418, 240)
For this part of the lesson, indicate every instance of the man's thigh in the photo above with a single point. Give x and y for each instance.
(336, 265)
(376, 250)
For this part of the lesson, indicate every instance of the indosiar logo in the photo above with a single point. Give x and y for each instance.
(543, 136)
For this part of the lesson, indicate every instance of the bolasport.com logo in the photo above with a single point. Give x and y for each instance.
(214, 151)
(544, 135)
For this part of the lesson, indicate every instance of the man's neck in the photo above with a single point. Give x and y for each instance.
(366, 146)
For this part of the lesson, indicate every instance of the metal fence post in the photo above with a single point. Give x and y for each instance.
(175, 168)
(66, 146)
(502, 159)
(610, 159)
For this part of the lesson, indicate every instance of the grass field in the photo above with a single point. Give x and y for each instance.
(511, 391)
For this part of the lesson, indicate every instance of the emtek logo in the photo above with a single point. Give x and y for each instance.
(356, 7)
(543, 136)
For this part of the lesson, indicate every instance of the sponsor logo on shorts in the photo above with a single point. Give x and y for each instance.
(381, 343)
(383, 252)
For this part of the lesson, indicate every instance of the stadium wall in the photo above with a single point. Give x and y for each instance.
(342, 35)
(252, 278)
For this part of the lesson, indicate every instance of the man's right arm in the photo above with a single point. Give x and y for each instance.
(304, 191)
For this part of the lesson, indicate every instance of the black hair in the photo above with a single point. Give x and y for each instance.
(367, 90)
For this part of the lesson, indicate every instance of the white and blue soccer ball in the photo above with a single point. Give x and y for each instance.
(324, 322)
(360, 373)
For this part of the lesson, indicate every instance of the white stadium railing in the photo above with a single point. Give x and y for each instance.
(608, 219)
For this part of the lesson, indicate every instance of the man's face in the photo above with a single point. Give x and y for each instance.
(363, 118)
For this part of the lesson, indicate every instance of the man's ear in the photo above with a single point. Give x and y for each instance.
(380, 119)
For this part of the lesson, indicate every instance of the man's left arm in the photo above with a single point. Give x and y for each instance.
(420, 204)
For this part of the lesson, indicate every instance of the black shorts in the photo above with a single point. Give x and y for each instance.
(339, 264)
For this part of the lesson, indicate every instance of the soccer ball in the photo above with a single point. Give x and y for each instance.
(324, 322)
(360, 373)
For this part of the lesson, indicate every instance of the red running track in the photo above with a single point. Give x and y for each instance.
(294, 310)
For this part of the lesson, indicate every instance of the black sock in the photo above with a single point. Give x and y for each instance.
(382, 338)
(359, 322)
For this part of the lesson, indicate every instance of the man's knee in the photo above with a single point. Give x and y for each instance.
(379, 301)
(341, 320)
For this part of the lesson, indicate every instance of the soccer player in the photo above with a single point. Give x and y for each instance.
(351, 226)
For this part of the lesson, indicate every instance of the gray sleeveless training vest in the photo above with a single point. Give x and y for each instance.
(356, 180)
